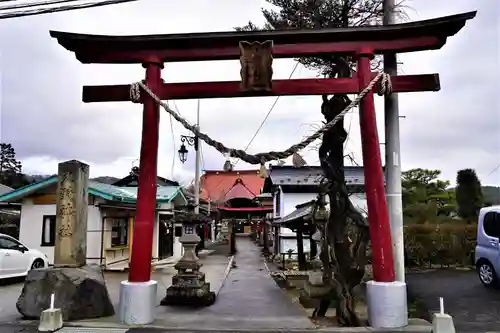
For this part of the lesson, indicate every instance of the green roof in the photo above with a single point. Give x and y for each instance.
(109, 192)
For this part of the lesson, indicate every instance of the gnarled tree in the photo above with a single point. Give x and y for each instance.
(346, 231)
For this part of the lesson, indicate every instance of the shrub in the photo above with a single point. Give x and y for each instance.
(439, 244)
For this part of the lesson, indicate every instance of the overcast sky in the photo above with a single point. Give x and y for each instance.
(43, 117)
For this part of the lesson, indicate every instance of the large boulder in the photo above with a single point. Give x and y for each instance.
(80, 293)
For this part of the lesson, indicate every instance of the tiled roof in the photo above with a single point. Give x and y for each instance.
(302, 211)
(239, 190)
(287, 175)
(105, 191)
(163, 193)
(216, 185)
(5, 189)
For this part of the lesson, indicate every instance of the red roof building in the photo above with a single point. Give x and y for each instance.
(234, 194)
(222, 186)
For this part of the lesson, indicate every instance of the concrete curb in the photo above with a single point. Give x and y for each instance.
(107, 327)
(409, 329)
(226, 274)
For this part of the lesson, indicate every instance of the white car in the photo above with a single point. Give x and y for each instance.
(17, 260)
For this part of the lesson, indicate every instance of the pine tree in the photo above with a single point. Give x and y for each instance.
(469, 194)
(10, 167)
(8, 162)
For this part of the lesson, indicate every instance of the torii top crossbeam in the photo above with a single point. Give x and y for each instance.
(407, 37)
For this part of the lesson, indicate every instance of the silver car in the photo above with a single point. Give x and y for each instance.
(488, 246)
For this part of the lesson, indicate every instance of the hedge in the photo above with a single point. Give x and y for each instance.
(439, 244)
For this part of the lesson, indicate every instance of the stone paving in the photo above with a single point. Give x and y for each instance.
(249, 299)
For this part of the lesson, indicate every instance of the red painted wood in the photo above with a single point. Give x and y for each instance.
(98, 55)
(140, 260)
(397, 38)
(380, 232)
(195, 90)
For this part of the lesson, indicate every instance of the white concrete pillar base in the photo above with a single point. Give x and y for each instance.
(387, 304)
(442, 323)
(137, 302)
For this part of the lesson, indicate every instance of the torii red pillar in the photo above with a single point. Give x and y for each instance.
(140, 261)
(380, 230)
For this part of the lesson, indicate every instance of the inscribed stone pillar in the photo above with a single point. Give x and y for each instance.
(71, 219)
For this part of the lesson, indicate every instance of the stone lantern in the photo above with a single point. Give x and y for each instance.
(315, 287)
(189, 287)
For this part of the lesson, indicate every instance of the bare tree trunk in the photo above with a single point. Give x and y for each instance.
(343, 259)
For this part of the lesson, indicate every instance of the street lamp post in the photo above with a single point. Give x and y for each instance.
(193, 141)
(190, 141)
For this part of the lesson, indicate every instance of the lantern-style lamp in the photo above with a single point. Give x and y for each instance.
(183, 152)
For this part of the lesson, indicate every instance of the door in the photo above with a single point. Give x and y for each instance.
(165, 238)
(14, 261)
(491, 226)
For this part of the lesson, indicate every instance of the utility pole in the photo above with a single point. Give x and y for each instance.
(393, 156)
(197, 164)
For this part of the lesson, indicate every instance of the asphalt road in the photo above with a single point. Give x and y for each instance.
(474, 308)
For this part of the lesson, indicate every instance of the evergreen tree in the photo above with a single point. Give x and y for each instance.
(10, 167)
(469, 194)
(8, 162)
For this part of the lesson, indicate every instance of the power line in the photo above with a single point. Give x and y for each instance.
(492, 171)
(36, 4)
(268, 113)
(23, 13)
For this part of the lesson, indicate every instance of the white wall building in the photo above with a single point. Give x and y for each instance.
(111, 214)
(292, 186)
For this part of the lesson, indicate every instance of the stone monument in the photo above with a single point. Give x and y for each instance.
(71, 220)
(79, 290)
(189, 287)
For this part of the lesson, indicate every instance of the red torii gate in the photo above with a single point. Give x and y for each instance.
(152, 51)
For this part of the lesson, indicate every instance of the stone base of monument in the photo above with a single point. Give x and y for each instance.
(189, 289)
(137, 302)
(80, 293)
(309, 302)
(296, 279)
(314, 290)
(387, 304)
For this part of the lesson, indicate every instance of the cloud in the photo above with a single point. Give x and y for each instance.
(44, 118)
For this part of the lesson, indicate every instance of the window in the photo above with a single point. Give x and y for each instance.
(8, 244)
(278, 203)
(491, 224)
(49, 230)
(119, 232)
